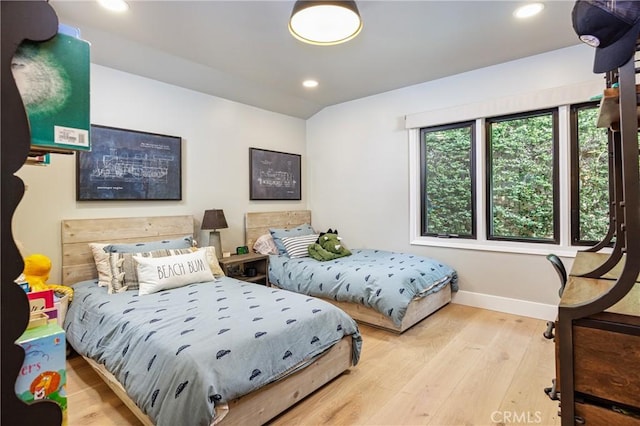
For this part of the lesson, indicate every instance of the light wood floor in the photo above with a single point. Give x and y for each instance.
(460, 366)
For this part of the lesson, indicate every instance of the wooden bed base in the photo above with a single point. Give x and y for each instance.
(257, 224)
(258, 407)
(255, 408)
(418, 309)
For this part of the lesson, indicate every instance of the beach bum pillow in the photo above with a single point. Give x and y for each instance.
(265, 245)
(279, 234)
(163, 273)
(124, 268)
(177, 243)
(298, 246)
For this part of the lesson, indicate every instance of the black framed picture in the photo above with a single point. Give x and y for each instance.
(274, 175)
(129, 165)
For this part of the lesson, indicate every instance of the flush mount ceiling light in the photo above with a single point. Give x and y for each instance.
(528, 10)
(325, 22)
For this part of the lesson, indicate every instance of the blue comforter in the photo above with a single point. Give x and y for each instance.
(382, 280)
(180, 352)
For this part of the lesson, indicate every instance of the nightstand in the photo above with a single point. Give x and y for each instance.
(239, 266)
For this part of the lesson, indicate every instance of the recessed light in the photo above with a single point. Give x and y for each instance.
(114, 5)
(310, 83)
(528, 10)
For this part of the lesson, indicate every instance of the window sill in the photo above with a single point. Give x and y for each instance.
(501, 246)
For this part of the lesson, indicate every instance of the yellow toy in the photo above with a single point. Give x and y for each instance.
(36, 273)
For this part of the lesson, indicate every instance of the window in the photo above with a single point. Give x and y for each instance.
(590, 176)
(447, 180)
(527, 192)
(522, 177)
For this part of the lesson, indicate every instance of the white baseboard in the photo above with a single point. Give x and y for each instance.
(506, 305)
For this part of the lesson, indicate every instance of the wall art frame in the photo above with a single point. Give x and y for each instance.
(274, 175)
(129, 165)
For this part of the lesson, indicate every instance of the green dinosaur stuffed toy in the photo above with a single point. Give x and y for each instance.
(328, 247)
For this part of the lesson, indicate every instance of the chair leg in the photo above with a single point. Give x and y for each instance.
(551, 392)
(548, 333)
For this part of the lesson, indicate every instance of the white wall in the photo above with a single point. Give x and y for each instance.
(216, 136)
(358, 156)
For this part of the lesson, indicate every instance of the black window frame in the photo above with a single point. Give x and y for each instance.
(423, 180)
(554, 112)
(575, 173)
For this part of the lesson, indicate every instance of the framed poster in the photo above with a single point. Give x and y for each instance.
(129, 165)
(274, 175)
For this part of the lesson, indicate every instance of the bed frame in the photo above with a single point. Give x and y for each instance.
(255, 408)
(257, 224)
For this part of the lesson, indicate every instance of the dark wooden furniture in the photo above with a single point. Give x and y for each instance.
(240, 266)
(36, 21)
(606, 349)
(598, 326)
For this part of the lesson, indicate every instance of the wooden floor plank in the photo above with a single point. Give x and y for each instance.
(462, 365)
(433, 383)
(479, 394)
(533, 372)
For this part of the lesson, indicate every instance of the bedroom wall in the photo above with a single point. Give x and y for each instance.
(358, 156)
(216, 136)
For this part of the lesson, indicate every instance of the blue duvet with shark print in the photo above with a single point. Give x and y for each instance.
(383, 280)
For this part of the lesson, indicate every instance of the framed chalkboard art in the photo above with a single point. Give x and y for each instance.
(129, 165)
(274, 175)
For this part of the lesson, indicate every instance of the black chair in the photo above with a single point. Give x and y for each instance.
(551, 392)
(559, 267)
(562, 274)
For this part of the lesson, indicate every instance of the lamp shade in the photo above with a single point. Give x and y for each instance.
(325, 22)
(214, 219)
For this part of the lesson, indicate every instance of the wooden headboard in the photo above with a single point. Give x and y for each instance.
(257, 224)
(77, 259)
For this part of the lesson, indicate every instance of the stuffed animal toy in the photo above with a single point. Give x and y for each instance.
(36, 272)
(328, 246)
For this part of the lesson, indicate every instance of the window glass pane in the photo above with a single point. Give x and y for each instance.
(593, 177)
(447, 181)
(522, 178)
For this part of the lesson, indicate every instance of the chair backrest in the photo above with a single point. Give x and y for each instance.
(560, 269)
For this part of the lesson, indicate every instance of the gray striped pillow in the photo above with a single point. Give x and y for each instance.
(297, 246)
(124, 275)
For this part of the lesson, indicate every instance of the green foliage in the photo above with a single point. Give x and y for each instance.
(522, 177)
(593, 177)
(448, 181)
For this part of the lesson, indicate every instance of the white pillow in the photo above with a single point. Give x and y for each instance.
(298, 246)
(265, 245)
(162, 273)
(101, 259)
(212, 258)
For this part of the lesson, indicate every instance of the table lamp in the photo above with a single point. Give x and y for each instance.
(213, 220)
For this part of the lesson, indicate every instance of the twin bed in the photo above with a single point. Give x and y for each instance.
(228, 351)
(389, 290)
(221, 352)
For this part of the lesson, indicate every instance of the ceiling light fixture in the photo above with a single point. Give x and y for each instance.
(325, 23)
(528, 10)
(114, 5)
(310, 83)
